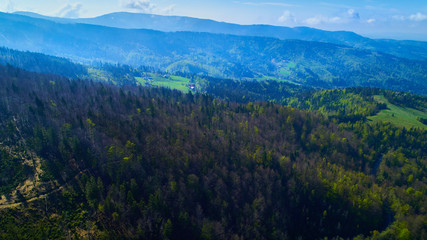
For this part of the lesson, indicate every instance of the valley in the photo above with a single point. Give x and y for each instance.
(141, 126)
(309, 63)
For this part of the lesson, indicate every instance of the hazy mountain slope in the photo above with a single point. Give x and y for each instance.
(41, 63)
(407, 49)
(220, 55)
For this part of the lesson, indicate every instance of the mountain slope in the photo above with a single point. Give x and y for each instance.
(139, 163)
(41, 63)
(218, 55)
(406, 49)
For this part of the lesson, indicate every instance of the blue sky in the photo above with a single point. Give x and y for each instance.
(375, 18)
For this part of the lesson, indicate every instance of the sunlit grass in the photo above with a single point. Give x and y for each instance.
(399, 116)
(168, 81)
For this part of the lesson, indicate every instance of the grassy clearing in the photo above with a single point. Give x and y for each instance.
(399, 116)
(172, 82)
(286, 71)
(99, 75)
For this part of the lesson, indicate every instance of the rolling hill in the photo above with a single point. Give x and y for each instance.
(91, 160)
(405, 49)
(219, 55)
(109, 131)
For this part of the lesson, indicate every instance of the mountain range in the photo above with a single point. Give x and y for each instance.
(118, 132)
(311, 63)
(406, 49)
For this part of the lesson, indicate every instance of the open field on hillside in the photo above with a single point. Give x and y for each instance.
(399, 116)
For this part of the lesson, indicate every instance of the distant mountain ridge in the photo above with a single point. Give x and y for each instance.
(41, 63)
(406, 49)
(218, 55)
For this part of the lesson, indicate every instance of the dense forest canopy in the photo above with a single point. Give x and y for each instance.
(133, 162)
(142, 134)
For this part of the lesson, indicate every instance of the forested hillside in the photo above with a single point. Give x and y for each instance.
(41, 63)
(311, 64)
(405, 49)
(133, 162)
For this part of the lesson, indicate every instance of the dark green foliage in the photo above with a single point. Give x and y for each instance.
(22, 227)
(154, 163)
(423, 120)
(344, 105)
(12, 171)
(37, 62)
(404, 99)
(251, 91)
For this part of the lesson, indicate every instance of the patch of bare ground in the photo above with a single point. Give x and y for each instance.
(32, 188)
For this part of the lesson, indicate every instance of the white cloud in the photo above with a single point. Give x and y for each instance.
(138, 5)
(353, 14)
(169, 10)
(146, 6)
(347, 16)
(322, 19)
(418, 17)
(70, 11)
(314, 20)
(371, 20)
(287, 16)
(334, 20)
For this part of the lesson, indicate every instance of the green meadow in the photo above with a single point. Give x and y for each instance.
(172, 82)
(399, 116)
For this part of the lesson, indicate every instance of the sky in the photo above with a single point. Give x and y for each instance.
(397, 19)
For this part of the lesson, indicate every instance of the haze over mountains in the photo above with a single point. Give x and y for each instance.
(219, 55)
(406, 49)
